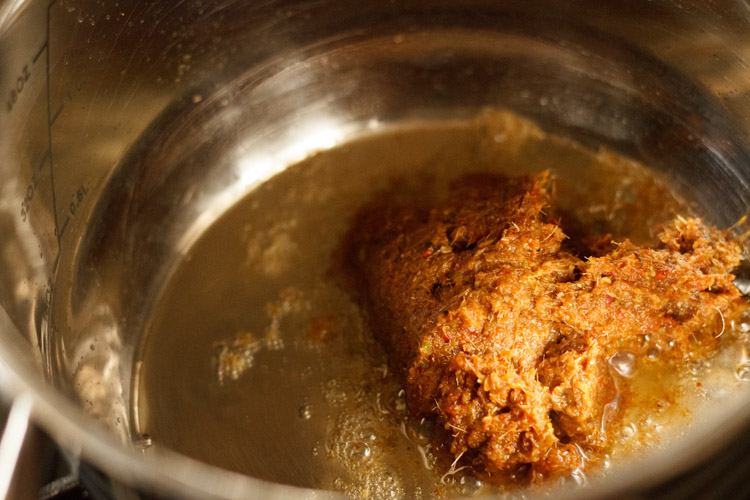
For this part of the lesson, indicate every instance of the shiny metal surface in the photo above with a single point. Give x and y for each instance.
(129, 127)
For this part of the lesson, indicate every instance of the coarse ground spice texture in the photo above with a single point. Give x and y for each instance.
(503, 330)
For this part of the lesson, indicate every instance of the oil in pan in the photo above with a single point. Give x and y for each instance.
(256, 358)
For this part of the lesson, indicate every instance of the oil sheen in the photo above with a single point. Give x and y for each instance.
(256, 360)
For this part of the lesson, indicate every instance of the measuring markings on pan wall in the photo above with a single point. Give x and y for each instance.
(61, 217)
(63, 208)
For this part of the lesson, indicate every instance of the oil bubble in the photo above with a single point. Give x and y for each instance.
(694, 367)
(468, 486)
(334, 393)
(399, 401)
(420, 430)
(305, 412)
(628, 431)
(356, 450)
(367, 434)
(143, 442)
(743, 372)
(624, 363)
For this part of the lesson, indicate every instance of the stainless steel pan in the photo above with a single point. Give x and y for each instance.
(128, 128)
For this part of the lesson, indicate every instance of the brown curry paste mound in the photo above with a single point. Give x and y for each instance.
(504, 335)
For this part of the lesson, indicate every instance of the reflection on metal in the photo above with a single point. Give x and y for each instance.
(12, 440)
(96, 371)
(261, 163)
